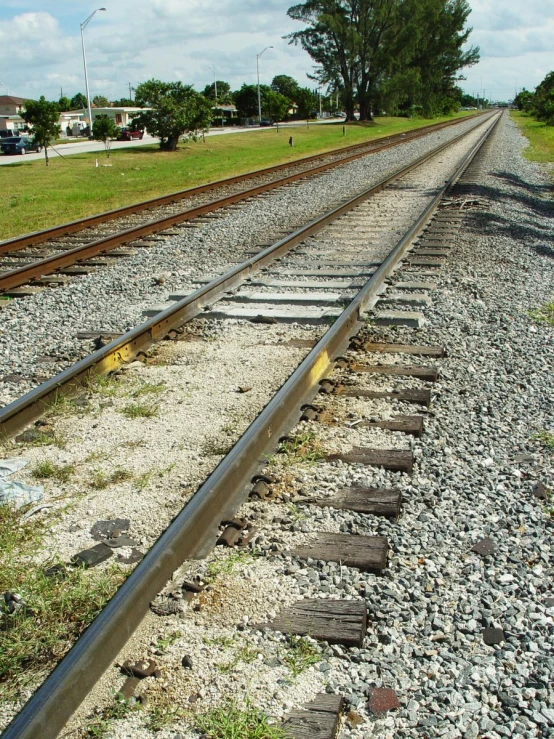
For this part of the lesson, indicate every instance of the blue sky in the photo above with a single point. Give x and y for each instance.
(40, 49)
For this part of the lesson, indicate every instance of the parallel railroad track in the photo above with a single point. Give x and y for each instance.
(56, 255)
(192, 534)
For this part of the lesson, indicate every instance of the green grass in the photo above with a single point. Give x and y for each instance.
(227, 565)
(48, 470)
(541, 137)
(229, 721)
(99, 724)
(300, 448)
(546, 438)
(101, 480)
(72, 188)
(302, 653)
(58, 609)
(140, 410)
(544, 314)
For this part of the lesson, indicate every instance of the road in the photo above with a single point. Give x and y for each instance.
(92, 146)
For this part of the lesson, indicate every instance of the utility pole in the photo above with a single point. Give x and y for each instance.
(258, 74)
(130, 92)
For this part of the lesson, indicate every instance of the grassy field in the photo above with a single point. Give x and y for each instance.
(36, 196)
(541, 137)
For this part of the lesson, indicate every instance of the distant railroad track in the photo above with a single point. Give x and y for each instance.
(51, 256)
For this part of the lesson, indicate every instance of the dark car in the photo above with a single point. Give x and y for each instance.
(19, 145)
(266, 122)
(127, 135)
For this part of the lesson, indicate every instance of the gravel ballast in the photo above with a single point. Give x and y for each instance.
(476, 469)
(38, 333)
(477, 465)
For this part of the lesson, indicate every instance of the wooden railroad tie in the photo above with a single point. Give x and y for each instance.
(385, 502)
(334, 621)
(367, 553)
(396, 460)
(428, 374)
(318, 719)
(409, 395)
(358, 344)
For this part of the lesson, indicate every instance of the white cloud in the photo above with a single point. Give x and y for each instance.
(170, 39)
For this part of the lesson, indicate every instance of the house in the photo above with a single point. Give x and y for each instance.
(11, 108)
(73, 122)
(225, 115)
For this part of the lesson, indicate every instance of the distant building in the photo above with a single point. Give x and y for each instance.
(225, 114)
(11, 108)
(74, 121)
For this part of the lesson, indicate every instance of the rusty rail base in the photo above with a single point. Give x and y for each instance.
(30, 406)
(48, 265)
(192, 533)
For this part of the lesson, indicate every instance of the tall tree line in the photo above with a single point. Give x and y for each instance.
(387, 53)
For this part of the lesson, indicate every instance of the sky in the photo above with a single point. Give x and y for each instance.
(189, 40)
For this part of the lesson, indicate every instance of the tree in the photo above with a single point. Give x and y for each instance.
(104, 129)
(543, 100)
(286, 86)
(246, 99)
(124, 103)
(524, 100)
(78, 101)
(274, 105)
(408, 50)
(43, 116)
(100, 101)
(223, 92)
(307, 102)
(177, 111)
(64, 103)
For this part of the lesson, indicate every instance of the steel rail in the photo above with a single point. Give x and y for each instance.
(15, 278)
(192, 533)
(22, 411)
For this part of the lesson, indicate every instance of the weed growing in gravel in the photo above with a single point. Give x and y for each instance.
(106, 385)
(219, 641)
(229, 721)
(161, 716)
(140, 410)
(100, 480)
(61, 405)
(544, 314)
(164, 643)
(546, 438)
(48, 470)
(301, 654)
(143, 480)
(299, 448)
(99, 726)
(47, 438)
(149, 389)
(55, 610)
(227, 565)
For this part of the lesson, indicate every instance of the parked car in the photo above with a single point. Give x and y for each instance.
(19, 145)
(125, 134)
(266, 122)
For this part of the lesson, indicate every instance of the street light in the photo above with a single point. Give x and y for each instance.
(83, 26)
(215, 84)
(258, 72)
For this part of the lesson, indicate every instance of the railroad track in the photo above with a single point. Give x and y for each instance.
(334, 276)
(57, 255)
